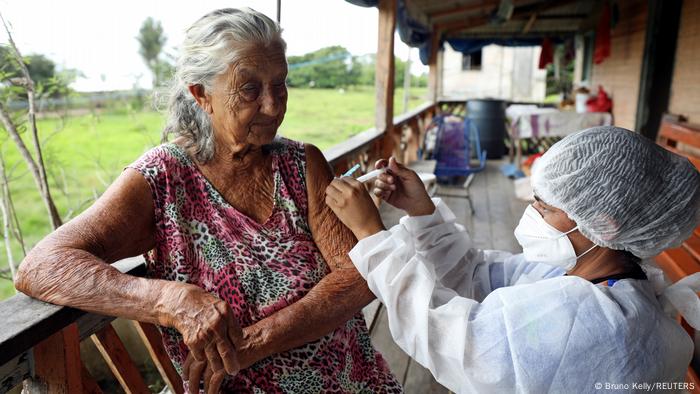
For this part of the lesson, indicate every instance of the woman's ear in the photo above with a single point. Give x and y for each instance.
(201, 97)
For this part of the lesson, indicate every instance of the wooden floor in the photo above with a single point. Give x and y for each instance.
(496, 213)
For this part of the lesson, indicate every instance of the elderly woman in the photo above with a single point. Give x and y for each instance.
(575, 312)
(235, 231)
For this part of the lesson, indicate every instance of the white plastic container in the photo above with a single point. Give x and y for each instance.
(581, 99)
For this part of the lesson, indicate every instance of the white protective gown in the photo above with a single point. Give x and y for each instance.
(490, 322)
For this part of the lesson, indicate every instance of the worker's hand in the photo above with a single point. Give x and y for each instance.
(353, 205)
(208, 328)
(402, 188)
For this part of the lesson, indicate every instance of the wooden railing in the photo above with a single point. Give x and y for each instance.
(40, 345)
(402, 141)
(677, 263)
(40, 342)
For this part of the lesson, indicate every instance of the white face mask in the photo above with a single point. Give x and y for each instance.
(543, 243)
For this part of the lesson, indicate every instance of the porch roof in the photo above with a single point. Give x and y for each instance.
(467, 23)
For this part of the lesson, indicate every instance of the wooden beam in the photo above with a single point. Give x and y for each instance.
(562, 16)
(89, 384)
(462, 24)
(57, 364)
(433, 80)
(154, 344)
(384, 76)
(530, 23)
(118, 360)
(526, 11)
(463, 9)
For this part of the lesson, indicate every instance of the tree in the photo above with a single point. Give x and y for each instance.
(152, 40)
(367, 69)
(43, 71)
(329, 67)
(22, 81)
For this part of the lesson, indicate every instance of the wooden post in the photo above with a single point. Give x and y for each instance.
(118, 360)
(57, 364)
(153, 342)
(384, 76)
(413, 141)
(433, 80)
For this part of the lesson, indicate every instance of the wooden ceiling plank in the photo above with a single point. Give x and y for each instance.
(462, 9)
(529, 23)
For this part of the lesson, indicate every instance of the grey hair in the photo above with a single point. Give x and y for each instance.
(211, 45)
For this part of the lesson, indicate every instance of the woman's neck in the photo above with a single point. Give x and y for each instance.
(238, 158)
(600, 263)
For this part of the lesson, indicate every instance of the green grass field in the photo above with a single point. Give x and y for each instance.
(84, 154)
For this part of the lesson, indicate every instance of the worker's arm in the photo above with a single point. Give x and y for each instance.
(514, 337)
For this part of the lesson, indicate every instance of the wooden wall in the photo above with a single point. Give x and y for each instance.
(620, 73)
(685, 90)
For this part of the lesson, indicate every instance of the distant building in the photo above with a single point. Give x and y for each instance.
(508, 73)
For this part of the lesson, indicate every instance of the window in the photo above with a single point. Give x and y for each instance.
(588, 46)
(471, 61)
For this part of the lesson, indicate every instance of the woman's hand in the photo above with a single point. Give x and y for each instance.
(402, 188)
(193, 372)
(349, 200)
(208, 329)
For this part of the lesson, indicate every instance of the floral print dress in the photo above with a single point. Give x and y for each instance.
(257, 269)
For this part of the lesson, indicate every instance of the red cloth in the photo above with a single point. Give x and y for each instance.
(547, 54)
(602, 37)
(600, 103)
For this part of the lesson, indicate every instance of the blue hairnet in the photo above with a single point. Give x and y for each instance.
(623, 191)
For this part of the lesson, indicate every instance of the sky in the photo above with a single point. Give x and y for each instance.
(98, 37)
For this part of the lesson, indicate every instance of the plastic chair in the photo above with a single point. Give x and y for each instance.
(453, 148)
(453, 152)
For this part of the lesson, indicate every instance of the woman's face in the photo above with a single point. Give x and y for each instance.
(555, 217)
(558, 219)
(249, 100)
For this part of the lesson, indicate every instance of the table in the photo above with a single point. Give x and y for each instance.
(550, 122)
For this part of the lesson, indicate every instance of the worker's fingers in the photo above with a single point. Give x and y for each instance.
(398, 168)
(386, 178)
(343, 186)
(384, 186)
(381, 163)
(353, 183)
(383, 194)
(336, 184)
(333, 192)
(331, 202)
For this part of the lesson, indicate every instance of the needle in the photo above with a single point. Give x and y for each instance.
(352, 170)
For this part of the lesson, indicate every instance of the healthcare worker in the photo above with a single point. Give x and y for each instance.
(575, 312)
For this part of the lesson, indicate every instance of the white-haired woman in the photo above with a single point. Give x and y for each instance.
(575, 312)
(235, 233)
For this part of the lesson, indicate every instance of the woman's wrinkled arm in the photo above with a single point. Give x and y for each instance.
(335, 299)
(71, 265)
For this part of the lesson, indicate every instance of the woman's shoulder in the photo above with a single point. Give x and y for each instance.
(284, 147)
(304, 155)
(162, 158)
